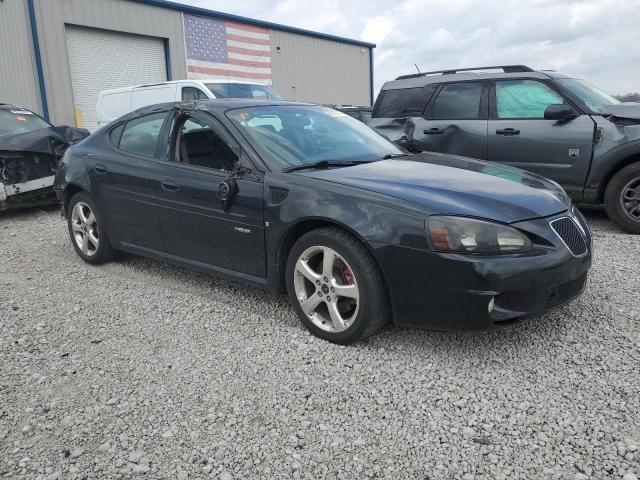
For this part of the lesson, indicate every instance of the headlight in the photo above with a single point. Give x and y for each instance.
(458, 234)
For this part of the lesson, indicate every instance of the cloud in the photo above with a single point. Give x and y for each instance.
(592, 39)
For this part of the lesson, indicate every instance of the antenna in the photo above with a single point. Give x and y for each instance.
(416, 65)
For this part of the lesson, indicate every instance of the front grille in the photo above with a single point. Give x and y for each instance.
(565, 292)
(571, 235)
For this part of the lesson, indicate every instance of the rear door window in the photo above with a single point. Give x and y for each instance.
(524, 99)
(459, 101)
(141, 135)
(403, 102)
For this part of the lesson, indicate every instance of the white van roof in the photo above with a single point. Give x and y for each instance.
(199, 81)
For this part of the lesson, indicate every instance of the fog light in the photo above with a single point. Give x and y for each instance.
(491, 303)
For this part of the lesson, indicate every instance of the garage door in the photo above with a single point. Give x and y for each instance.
(101, 59)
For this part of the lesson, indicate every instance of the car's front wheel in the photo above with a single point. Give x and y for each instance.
(336, 287)
(86, 230)
(622, 198)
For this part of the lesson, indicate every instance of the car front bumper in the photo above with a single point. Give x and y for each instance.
(26, 194)
(447, 291)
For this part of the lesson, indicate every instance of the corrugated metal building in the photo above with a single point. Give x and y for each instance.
(57, 55)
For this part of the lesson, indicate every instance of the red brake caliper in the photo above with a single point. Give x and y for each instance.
(347, 274)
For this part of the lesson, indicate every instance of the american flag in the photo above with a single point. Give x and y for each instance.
(227, 50)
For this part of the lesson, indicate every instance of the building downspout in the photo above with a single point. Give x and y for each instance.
(371, 75)
(38, 57)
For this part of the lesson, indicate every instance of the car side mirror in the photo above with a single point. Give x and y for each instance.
(560, 112)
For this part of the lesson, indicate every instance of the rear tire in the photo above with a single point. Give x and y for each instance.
(335, 286)
(622, 199)
(86, 230)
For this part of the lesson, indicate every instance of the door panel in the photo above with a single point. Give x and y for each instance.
(455, 121)
(126, 190)
(195, 226)
(126, 176)
(457, 137)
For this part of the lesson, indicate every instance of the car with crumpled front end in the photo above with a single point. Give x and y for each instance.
(30, 150)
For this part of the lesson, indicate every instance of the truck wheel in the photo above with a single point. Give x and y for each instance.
(622, 198)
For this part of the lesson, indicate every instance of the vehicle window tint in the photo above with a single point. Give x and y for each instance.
(403, 102)
(458, 101)
(192, 93)
(199, 144)
(140, 136)
(524, 98)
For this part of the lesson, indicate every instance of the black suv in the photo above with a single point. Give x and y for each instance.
(547, 122)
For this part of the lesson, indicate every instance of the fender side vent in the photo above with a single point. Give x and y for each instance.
(277, 195)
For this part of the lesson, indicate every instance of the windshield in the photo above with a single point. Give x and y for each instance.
(242, 90)
(20, 121)
(594, 98)
(295, 135)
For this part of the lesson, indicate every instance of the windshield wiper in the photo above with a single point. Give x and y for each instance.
(325, 164)
(389, 156)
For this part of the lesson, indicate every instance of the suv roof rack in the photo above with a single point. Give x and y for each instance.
(504, 68)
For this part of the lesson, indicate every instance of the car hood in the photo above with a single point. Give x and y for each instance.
(51, 140)
(447, 184)
(624, 110)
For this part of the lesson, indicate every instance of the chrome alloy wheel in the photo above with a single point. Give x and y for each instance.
(85, 229)
(326, 289)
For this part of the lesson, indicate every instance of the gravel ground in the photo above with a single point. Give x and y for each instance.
(137, 368)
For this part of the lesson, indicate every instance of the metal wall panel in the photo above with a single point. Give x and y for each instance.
(18, 78)
(321, 71)
(116, 15)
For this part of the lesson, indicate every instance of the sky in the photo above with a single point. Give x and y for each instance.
(598, 40)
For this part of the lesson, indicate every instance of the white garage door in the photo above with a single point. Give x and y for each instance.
(100, 59)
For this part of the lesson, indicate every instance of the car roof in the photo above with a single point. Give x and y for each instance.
(217, 104)
(196, 81)
(479, 73)
(354, 107)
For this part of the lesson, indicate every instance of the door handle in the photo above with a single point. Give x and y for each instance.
(100, 169)
(508, 131)
(170, 186)
(434, 131)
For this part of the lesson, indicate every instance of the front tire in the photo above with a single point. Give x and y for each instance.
(622, 199)
(336, 287)
(86, 230)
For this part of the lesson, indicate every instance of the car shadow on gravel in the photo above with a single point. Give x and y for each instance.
(18, 213)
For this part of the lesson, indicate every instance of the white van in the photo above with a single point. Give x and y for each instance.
(116, 102)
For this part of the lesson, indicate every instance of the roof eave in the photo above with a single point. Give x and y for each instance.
(236, 18)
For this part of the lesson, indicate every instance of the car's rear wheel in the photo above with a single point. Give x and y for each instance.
(336, 287)
(86, 230)
(622, 199)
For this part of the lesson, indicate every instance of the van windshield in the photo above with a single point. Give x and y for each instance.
(242, 90)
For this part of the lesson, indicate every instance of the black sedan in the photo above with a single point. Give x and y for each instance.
(305, 200)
